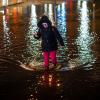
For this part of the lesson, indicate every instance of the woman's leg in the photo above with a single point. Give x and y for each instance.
(53, 57)
(46, 59)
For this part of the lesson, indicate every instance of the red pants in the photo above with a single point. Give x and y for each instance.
(51, 55)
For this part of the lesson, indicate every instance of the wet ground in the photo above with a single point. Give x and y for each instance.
(78, 22)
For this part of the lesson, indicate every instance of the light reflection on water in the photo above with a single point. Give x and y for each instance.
(7, 41)
(31, 44)
(77, 27)
(85, 38)
(74, 26)
(49, 83)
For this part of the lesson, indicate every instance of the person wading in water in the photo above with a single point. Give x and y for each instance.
(50, 37)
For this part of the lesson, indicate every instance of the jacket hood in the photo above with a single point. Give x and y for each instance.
(44, 19)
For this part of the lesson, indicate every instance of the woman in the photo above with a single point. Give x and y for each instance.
(50, 38)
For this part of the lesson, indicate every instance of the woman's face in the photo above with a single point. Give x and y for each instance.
(45, 25)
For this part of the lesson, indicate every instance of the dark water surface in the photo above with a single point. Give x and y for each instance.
(78, 22)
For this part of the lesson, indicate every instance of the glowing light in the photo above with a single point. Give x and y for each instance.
(84, 40)
(45, 9)
(48, 10)
(7, 41)
(58, 84)
(50, 80)
(51, 12)
(33, 9)
(61, 18)
(31, 30)
(5, 2)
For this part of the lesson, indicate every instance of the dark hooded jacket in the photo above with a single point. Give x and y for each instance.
(50, 36)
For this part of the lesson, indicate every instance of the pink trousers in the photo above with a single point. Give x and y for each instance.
(51, 55)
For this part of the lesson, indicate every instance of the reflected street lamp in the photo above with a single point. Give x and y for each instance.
(4, 2)
(55, 16)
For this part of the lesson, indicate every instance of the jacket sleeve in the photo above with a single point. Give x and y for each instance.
(58, 36)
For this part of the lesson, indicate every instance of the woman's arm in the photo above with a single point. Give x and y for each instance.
(37, 35)
(58, 36)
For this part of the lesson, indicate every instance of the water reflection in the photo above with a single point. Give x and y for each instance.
(33, 45)
(85, 38)
(47, 86)
(48, 10)
(7, 37)
(75, 26)
(61, 25)
(31, 29)
(61, 18)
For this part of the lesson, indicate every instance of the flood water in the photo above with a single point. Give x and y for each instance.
(78, 22)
